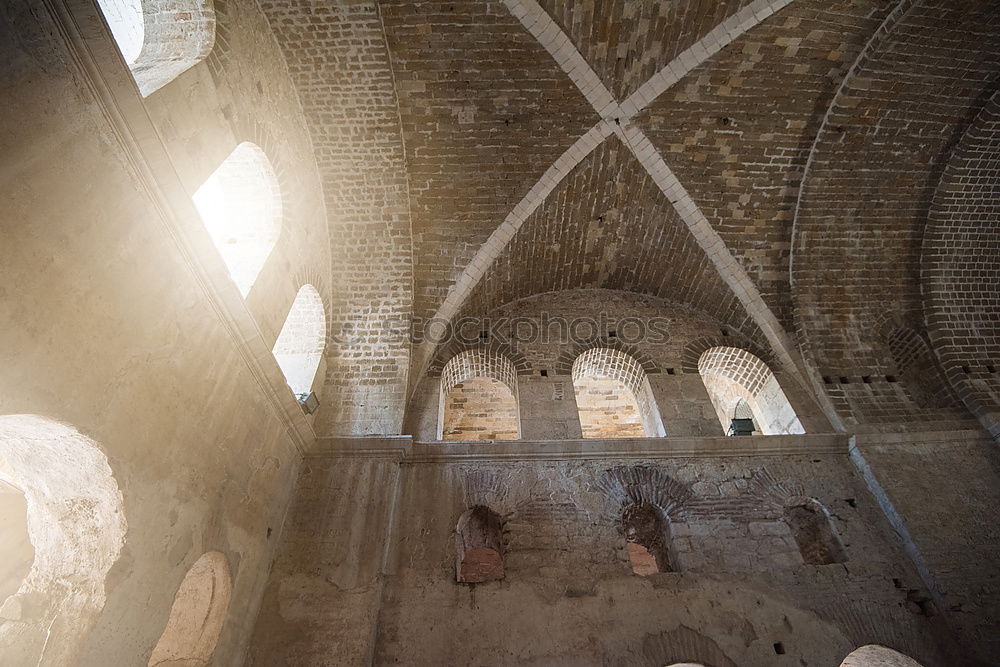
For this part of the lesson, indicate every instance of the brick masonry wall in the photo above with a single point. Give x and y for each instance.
(737, 131)
(607, 408)
(480, 409)
(961, 268)
(338, 59)
(907, 100)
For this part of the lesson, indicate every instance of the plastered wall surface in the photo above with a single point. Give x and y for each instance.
(129, 350)
(569, 596)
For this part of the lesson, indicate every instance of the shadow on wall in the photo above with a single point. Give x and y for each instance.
(76, 525)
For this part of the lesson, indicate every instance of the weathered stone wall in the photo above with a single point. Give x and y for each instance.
(944, 488)
(741, 591)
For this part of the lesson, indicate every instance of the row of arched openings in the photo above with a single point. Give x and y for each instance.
(614, 398)
(240, 203)
(646, 528)
(62, 527)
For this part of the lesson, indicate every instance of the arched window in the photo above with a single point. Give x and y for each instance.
(57, 491)
(197, 614)
(160, 39)
(613, 396)
(300, 345)
(647, 539)
(240, 204)
(814, 533)
(874, 655)
(479, 397)
(732, 376)
(478, 546)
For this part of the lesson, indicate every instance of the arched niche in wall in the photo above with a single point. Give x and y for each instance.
(479, 546)
(732, 375)
(479, 397)
(647, 539)
(160, 39)
(812, 528)
(300, 345)
(916, 369)
(76, 528)
(240, 204)
(613, 396)
(874, 655)
(197, 614)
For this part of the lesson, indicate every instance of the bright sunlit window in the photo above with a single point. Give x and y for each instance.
(241, 207)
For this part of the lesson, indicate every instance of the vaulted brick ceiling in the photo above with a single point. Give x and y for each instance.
(434, 122)
(876, 164)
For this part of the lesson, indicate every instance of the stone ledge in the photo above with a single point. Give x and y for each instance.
(406, 450)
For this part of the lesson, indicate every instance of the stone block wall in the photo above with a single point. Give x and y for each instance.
(740, 593)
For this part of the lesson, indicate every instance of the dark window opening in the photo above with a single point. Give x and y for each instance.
(478, 546)
(814, 533)
(646, 539)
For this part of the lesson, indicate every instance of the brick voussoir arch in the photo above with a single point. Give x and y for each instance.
(959, 271)
(564, 363)
(693, 351)
(489, 349)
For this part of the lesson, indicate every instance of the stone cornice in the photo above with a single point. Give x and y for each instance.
(405, 450)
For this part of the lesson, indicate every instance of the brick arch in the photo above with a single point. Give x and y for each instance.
(569, 355)
(613, 395)
(684, 645)
(455, 348)
(479, 362)
(479, 398)
(961, 268)
(693, 351)
(622, 486)
(732, 375)
(916, 368)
